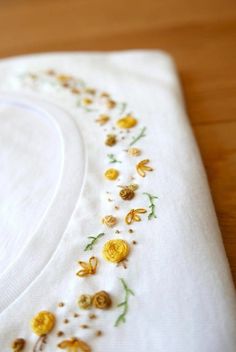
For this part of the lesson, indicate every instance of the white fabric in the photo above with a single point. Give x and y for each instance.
(184, 297)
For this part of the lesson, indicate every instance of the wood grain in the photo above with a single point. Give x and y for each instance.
(200, 34)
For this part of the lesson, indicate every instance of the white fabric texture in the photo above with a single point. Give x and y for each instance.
(54, 195)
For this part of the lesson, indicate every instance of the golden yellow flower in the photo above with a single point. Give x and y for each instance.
(103, 119)
(111, 174)
(18, 345)
(110, 104)
(85, 301)
(115, 250)
(109, 220)
(43, 323)
(142, 167)
(133, 215)
(101, 300)
(127, 121)
(134, 151)
(88, 268)
(111, 140)
(74, 345)
(87, 101)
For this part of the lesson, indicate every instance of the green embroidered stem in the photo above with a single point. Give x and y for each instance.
(141, 135)
(123, 107)
(152, 206)
(113, 159)
(124, 304)
(90, 245)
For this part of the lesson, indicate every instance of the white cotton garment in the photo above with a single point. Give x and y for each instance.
(57, 112)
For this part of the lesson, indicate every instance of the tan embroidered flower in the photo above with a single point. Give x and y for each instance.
(133, 215)
(89, 268)
(43, 323)
(111, 140)
(101, 300)
(142, 167)
(85, 301)
(134, 151)
(111, 174)
(18, 345)
(115, 250)
(127, 121)
(75, 90)
(103, 119)
(109, 220)
(127, 193)
(64, 78)
(110, 104)
(74, 345)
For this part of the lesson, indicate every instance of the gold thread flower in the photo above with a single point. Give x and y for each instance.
(111, 174)
(18, 345)
(85, 301)
(127, 193)
(111, 140)
(110, 104)
(103, 119)
(133, 215)
(142, 167)
(109, 220)
(43, 323)
(88, 268)
(101, 300)
(87, 101)
(127, 121)
(74, 345)
(115, 250)
(134, 151)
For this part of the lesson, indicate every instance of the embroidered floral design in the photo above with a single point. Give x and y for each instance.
(111, 140)
(103, 119)
(94, 240)
(127, 121)
(134, 151)
(133, 215)
(102, 300)
(124, 304)
(109, 220)
(18, 345)
(111, 174)
(112, 159)
(115, 250)
(138, 137)
(142, 167)
(43, 323)
(74, 345)
(89, 268)
(127, 192)
(152, 205)
(85, 301)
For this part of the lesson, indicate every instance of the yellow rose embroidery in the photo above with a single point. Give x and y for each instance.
(18, 345)
(133, 215)
(127, 121)
(142, 167)
(101, 300)
(88, 268)
(109, 220)
(85, 301)
(111, 174)
(74, 345)
(43, 323)
(115, 250)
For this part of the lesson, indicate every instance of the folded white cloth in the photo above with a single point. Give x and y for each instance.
(65, 119)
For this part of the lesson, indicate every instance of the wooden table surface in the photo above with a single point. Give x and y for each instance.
(201, 36)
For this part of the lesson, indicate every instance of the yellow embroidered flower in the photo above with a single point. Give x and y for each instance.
(133, 215)
(111, 140)
(43, 323)
(142, 167)
(87, 101)
(134, 151)
(74, 345)
(110, 104)
(88, 268)
(109, 220)
(18, 345)
(111, 174)
(101, 300)
(115, 250)
(85, 301)
(127, 121)
(103, 119)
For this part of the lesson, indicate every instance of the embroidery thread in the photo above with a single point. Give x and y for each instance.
(89, 268)
(124, 304)
(152, 205)
(94, 239)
